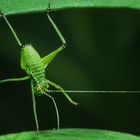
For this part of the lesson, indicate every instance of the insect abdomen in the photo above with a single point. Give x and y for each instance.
(32, 63)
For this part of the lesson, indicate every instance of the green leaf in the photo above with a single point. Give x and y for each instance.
(27, 6)
(71, 134)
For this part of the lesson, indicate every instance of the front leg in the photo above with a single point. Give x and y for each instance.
(34, 107)
(62, 90)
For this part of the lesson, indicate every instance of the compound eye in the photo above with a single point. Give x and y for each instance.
(39, 87)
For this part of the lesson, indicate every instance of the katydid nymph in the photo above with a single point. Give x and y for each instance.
(34, 66)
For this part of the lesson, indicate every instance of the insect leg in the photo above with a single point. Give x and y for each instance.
(63, 91)
(47, 59)
(56, 108)
(14, 79)
(56, 28)
(11, 28)
(34, 107)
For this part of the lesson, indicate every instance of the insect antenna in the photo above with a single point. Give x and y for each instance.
(56, 109)
(95, 91)
(11, 28)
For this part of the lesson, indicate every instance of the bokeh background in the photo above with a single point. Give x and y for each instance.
(102, 53)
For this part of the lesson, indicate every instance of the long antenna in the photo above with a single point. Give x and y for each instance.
(95, 91)
(11, 28)
(56, 109)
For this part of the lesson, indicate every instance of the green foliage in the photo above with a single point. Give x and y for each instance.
(71, 134)
(26, 6)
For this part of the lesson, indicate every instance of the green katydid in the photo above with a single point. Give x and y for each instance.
(34, 66)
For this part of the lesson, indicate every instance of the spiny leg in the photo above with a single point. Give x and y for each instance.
(56, 28)
(47, 59)
(11, 28)
(34, 107)
(56, 108)
(63, 91)
(14, 79)
(63, 45)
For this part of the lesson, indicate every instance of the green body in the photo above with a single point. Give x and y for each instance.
(34, 66)
(32, 63)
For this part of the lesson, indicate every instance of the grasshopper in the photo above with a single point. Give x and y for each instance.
(34, 66)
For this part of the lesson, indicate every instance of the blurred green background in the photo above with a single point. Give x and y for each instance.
(102, 53)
